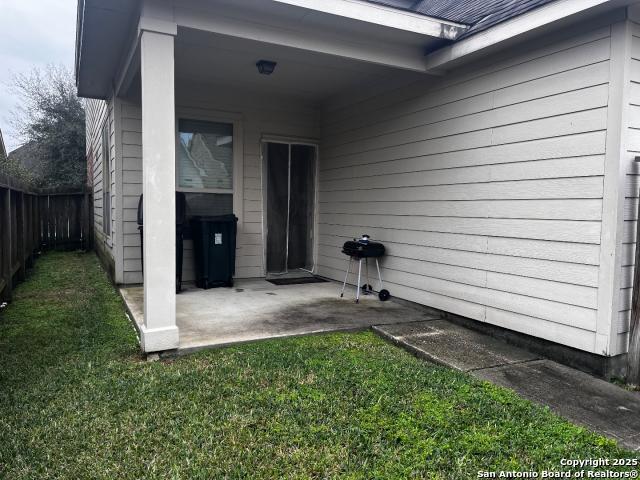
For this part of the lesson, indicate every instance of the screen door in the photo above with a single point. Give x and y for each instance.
(290, 203)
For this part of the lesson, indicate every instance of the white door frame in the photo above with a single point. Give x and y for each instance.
(311, 142)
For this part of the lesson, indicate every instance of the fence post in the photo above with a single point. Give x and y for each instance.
(43, 217)
(7, 267)
(20, 237)
(87, 229)
(28, 228)
(35, 226)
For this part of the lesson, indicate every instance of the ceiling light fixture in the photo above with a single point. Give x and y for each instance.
(266, 67)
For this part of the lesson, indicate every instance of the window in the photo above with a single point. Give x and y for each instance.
(205, 166)
(106, 181)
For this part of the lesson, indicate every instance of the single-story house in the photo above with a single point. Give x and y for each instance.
(489, 144)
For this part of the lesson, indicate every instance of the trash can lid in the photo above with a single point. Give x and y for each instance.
(216, 218)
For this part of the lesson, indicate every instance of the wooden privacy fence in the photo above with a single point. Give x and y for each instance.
(35, 220)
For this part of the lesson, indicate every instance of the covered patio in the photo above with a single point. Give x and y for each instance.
(256, 309)
(196, 114)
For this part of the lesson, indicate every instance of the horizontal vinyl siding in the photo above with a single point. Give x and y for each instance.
(486, 188)
(259, 116)
(631, 190)
(131, 138)
(97, 113)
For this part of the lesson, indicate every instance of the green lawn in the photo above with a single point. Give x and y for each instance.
(77, 401)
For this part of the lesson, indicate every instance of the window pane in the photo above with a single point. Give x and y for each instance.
(206, 204)
(205, 155)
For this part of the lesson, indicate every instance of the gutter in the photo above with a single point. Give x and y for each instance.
(510, 30)
(79, 35)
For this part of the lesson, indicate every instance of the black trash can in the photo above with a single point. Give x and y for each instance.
(181, 217)
(214, 245)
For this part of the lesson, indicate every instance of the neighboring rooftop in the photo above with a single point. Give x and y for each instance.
(477, 14)
(27, 155)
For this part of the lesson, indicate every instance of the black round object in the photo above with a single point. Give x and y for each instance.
(384, 295)
(367, 288)
(359, 250)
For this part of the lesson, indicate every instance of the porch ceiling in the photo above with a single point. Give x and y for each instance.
(329, 45)
(210, 58)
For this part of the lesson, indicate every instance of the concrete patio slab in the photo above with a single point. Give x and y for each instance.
(596, 404)
(256, 309)
(448, 344)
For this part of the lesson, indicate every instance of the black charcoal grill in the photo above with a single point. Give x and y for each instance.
(359, 250)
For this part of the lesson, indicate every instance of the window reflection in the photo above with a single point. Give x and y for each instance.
(205, 156)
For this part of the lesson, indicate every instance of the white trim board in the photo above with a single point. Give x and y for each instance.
(613, 195)
(384, 16)
(288, 140)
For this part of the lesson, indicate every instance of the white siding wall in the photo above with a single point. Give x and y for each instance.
(631, 187)
(97, 113)
(131, 137)
(259, 116)
(485, 187)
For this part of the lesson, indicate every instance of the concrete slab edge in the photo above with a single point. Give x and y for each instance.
(130, 316)
(419, 353)
(198, 348)
(136, 327)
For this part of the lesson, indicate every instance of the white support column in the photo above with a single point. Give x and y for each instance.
(158, 178)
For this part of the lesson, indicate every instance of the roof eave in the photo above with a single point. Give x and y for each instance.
(101, 34)
(510, 30)
(360, 10)
(79, 32)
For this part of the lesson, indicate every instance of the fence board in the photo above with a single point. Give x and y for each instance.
(5, 250)
(32, 221)
(20, 236)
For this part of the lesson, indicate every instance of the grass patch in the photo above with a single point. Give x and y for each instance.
(77, 402)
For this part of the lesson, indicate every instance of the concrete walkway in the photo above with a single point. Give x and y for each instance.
(596, 404)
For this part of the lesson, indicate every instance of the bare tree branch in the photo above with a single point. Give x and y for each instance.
(50, 120)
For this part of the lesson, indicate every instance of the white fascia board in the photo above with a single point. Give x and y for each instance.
(79, 32)
(322, 42)
(519, 25)
(384, 16)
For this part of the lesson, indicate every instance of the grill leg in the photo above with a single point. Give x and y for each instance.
(379, 276)
(346, 277)
(358, 284)
(366, 264)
